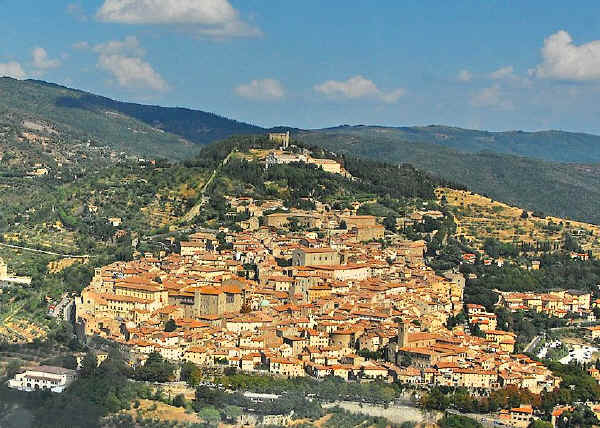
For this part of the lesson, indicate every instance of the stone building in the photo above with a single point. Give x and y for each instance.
(280, 137)
(211, 300)
(55, 379)
(315, 257)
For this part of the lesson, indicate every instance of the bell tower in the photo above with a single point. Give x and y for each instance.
(402, 333)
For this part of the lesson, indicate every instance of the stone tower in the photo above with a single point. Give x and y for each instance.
(402, 334)
(286, 140)
(3, 270)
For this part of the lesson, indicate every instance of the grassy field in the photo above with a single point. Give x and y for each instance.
(150, 409)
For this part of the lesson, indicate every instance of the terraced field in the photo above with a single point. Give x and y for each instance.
(479, 217)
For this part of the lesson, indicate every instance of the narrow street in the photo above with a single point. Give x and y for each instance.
(532, 344)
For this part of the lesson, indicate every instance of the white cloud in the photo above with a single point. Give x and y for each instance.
(562, 59)
(12, 69)
(465, 75)
(41, 60)
(124, 60)
(132, 72)
(81, 45)
(130, 46)
(392, 96)
(358, 87)
(503, 72)
(265, 89)
(491, 97)
(214, 18)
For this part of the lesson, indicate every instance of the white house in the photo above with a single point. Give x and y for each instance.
(55, 379)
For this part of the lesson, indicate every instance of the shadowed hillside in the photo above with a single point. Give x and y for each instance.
(560, 189)
(558, 146)
(147, 130)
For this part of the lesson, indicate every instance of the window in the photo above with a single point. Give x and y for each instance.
(230, 298)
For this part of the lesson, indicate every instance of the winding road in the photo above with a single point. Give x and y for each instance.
(195, 210)
(532, 344)
(35, 250)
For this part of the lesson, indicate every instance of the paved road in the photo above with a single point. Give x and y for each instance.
(196, 208)
(58, 310)
(485, 420)
(17, 247)
(532, 344)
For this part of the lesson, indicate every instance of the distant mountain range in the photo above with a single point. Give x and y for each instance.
(550, 171)
(557, 146)
(174, 133)
(563, 189)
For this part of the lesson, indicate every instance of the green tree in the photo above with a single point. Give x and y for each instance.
(456, 421)
(89, 365)
(581, 417)
(231, 413)
(170, 325)
(210, 415)
(156, 369)
(191, 374)
(112, 403)
(538, 423)
(390, 223)
(476, 330)
(179, 400)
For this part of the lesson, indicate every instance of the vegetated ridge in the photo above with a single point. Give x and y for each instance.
(560, 189)
(152, 131)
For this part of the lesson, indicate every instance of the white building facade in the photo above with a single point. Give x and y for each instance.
(55, 379)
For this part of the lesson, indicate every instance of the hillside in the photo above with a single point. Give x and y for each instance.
(125, 206)
(152, 131)
(552, 145)
(560, 189)
(53, 126)
(479, 219)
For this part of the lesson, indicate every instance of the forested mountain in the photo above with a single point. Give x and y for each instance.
(557, 146)
(517, 167)
(560, 189)
(80, 116)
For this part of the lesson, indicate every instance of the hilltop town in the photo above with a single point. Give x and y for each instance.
(297, 263)
(295, 304)
(318, 293)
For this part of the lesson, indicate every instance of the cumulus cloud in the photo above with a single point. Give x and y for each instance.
(41, 61)
(265, 89)
(465, 75)
(562, 59)
(123, 59)
(214, 18)
(132, 72)
(358, 87)
(129, 46)
(491, 97)
(503, 72)
(12, 69)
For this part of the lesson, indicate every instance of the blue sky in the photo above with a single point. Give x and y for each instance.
(494, 65)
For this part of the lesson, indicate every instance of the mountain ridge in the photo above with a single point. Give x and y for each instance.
(170, 132)
(199, 127)
(567, 190)
(551, 145)
(551, 171)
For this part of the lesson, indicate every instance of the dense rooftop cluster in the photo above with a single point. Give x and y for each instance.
(328, 300)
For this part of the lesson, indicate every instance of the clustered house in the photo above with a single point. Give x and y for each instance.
(313, 303)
